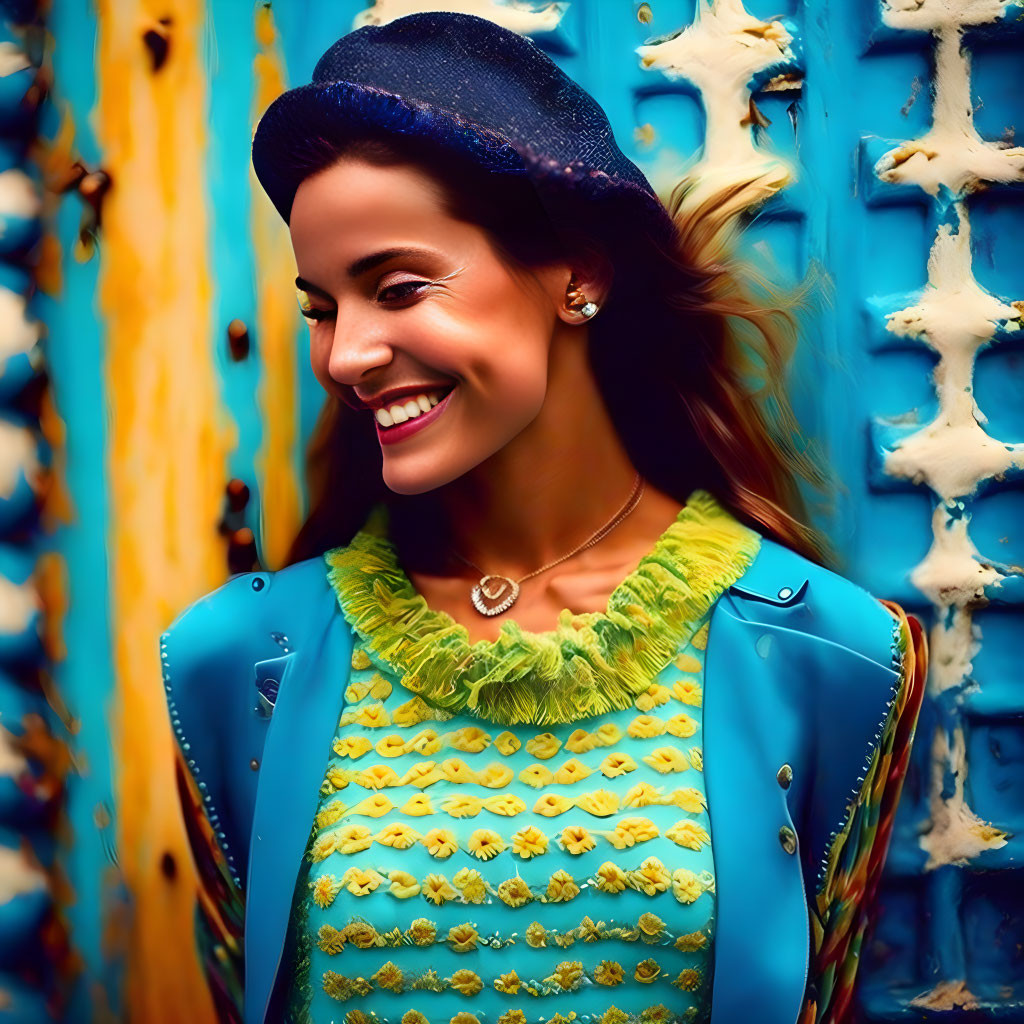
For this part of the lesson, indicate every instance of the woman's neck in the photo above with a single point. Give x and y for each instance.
(544, 493)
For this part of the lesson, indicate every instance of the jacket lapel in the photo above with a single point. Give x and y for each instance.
(302, 724)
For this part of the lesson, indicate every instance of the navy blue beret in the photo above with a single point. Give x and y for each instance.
(475, 87)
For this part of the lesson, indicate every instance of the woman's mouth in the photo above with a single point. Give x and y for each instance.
(405, 418)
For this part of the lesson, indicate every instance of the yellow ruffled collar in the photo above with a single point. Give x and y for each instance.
(589, 664)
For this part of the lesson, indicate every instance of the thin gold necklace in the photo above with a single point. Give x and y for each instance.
(495, 593)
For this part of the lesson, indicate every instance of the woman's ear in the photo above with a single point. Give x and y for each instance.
(586, 288)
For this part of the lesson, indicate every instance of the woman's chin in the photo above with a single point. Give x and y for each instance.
(417, 479)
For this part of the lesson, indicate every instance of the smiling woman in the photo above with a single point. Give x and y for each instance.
(556, 607)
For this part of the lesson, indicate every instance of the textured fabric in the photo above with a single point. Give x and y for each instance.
(853, 869)
(511, 873)
(588, 664)
(216, 651)
(476, 88)
(500, 869)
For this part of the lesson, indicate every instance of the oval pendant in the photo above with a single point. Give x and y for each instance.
(494, 595)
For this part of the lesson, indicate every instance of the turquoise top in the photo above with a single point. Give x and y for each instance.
(517, 832)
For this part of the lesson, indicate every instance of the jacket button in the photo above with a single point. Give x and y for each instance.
(787, 837)
(784, 776)
(254, 764)
(785, 593)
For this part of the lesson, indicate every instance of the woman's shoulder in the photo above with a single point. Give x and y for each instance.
(224, 659)
(785, 589)
(249, 613)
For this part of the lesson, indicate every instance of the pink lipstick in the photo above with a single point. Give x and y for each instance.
(400, 431)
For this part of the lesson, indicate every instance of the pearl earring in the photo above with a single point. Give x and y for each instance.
(577, 302)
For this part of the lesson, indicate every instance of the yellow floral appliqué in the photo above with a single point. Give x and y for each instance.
(536, 775)
(398, 835)
(688, 834)
(572, 771)
(471, 739)
(543, 746)
(529, 842)
(551, 804)
(644, 726)
(495, 776)
(507, 743)
(351, 746)
(615, 765)
(485, 843)
(688, 691)
(576, 839)
(667, 759)
(600, 803)
(440, 842)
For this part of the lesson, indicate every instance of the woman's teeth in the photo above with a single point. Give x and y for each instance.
(412, 407)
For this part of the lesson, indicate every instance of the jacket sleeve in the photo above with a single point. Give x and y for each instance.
(208, 678)
(840, 908)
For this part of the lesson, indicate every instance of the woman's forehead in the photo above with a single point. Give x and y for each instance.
(350, 206)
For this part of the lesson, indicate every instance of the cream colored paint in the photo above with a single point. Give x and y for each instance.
(952, 573)
(18, 603)
(947, 995)
(955, 317)
(718, 53)
(518, 19)
(17, 875)
(12, 59)
(957, 834)
(17, 333)
(12, 761)
(951, 153)
(953, 453)
(19, 196)
(18, 457)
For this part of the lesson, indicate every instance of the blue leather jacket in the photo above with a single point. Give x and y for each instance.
(803, 669)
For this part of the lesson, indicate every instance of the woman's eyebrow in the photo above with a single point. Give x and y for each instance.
(365, 263)
(374, 259)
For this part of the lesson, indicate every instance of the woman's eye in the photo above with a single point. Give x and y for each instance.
(309, 311)
(401, 291)
(316, 315)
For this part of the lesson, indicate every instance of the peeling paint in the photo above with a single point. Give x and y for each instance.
(18, 603)
(953, 454)
(955, 317)
(18, 196)
(12, 59)
(956, 834)
(18, 458)
(518, 19)
(719, 53)
(17, 875)
(952, 153)
(18, 334)
(12, 761)
(166, 457)
(947, 995)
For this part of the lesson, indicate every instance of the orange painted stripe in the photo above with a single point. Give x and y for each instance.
(166, 457)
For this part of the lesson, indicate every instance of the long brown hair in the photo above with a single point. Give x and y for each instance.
(705, 363)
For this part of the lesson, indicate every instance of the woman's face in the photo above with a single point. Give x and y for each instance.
(415, 318)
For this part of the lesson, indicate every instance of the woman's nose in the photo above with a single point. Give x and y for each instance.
(356, 350)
